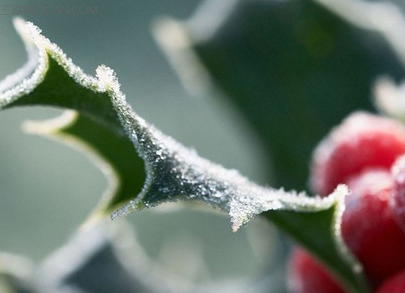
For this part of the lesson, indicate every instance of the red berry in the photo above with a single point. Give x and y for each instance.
(369, 227)
(307, 275)
(395, 284)
(398, 196)
(361, 141)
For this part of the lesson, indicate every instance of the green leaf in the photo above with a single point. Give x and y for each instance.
(125, 172)
(313, 231)
(293, 69)
(173, 172)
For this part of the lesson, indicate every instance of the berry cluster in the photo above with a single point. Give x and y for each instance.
(366, 152)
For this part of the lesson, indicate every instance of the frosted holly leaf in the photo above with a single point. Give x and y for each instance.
(125, 173)
(147, 168)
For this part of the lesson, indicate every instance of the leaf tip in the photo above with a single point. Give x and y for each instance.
(125, 210)
(26, 29)
(236, 224)
(19, 23)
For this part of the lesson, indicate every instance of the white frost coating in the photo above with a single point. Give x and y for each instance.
(200, 179)
(390, 98)
(242, 209)
(340, 192)
(173, 172)
(29, 67)
(38, 48)
(36, 66)
(107, 79)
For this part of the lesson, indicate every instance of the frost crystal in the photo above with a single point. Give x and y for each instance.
(107, 79)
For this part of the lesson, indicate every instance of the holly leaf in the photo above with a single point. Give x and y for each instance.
(172, 172)
(125, 173)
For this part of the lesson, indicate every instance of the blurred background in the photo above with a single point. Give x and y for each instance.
(47, 189)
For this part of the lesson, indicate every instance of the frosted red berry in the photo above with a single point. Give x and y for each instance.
(395, 284)
(307, 275)
(398, 196)
(369, 227)
(366, 152)
(361, 141)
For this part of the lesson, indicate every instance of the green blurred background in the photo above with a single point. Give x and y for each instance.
(47, 189)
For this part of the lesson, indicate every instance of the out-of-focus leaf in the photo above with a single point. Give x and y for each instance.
(102, 257)
(173, 172)
(293, 68)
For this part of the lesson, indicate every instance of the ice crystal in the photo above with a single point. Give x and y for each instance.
(173, 172)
